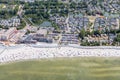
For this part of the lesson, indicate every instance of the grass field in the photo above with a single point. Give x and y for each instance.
(63, 69)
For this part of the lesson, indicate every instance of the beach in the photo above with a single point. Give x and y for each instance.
(32, 52)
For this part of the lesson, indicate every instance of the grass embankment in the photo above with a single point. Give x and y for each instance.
(63, 69)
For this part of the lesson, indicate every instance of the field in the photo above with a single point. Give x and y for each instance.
(63, 69)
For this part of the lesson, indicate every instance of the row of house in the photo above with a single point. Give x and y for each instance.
(103, 38)
(102, 23)
(69, 39)
(12, 22)
(72, 23)
(78, 23)
(61, 21)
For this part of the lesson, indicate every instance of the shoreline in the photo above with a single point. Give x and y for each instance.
(25, 52)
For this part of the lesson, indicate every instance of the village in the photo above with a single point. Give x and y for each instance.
(77, 27)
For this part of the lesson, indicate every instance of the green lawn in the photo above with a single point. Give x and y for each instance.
(63, 69)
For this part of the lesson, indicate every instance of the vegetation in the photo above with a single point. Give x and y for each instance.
(117, 39)
(41, 10)
(22, 25)
(97, 32)
(8, 13)
(55, 26)
(86, 43)
(9, 2)
(82, 34)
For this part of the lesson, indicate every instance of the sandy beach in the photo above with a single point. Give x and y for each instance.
(20, 53)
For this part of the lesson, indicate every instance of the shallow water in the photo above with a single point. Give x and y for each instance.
(63, 69)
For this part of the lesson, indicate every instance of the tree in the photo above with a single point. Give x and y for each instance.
(1, 26)
(117, 39)
(97, 32)
(82, 34)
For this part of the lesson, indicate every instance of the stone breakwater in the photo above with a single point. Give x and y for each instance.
(27, 53)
